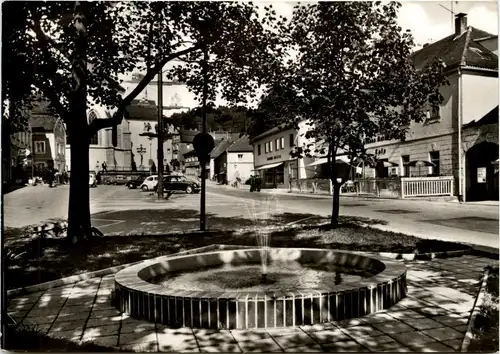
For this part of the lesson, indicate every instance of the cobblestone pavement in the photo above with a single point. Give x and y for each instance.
(433, 317)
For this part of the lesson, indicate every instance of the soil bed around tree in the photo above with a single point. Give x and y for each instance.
(51, 259)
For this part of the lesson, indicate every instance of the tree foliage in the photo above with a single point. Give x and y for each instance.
(352, 78)
(75, 53)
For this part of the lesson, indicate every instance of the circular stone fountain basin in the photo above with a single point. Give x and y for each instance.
(224, 289)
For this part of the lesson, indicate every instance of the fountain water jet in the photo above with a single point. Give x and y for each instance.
(260, 216)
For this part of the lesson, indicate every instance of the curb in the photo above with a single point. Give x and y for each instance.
(98, 273)
(112, 270)
(475, 312)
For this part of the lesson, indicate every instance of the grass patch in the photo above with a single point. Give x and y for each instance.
(32, 339)
(50, 259)
(485, 330)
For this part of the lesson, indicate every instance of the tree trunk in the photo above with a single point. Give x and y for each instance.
(78, 129)
(335, 205)
(79, 226)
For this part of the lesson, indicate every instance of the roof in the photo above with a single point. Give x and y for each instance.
(143, 110)
(42, 122)
(489, 118)
(462, 50)
(220, 148)
(241, 145)
(267, 133)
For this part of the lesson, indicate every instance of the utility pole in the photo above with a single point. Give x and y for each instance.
(204, 127)
(160, 135)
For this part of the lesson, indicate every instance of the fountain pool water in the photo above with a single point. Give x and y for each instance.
(225, 289)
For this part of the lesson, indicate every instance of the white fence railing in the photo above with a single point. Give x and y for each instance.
(426, 186)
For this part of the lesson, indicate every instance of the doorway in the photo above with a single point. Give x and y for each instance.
(482, 172)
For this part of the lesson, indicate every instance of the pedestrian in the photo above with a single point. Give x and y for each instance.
(104, 167)
(98, 177)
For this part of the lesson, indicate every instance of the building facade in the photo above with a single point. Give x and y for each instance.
(273, 161)
(49, 142)
(472, 73)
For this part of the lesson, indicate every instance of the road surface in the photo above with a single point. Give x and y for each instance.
(118, 210)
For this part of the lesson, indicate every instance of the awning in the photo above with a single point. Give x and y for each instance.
(324, 160)
(272, 165)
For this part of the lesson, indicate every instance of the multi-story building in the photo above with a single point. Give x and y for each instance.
(446, 138)
(135, 150)
(272, 159)
(231, 161)
(49, 142)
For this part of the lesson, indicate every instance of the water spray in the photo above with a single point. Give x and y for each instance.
(260, 216)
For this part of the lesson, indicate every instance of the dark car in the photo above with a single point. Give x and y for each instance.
(180, 183)
(135, 182)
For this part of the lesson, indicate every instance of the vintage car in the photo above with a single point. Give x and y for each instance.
(174, 183)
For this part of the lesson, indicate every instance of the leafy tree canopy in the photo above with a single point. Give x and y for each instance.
(352, 77)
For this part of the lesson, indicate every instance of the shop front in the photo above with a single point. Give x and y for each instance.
(272, 175)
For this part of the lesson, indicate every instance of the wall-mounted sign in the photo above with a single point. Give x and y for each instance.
(481, 175)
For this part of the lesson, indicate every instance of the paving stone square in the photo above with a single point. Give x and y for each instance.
(211, 338)
(349, 346)
(294, 340)
(442, 334)
(422, 323)
(406, 314)
(392, 327)
(362, 331)
(379, 343)
(305, 349)
(435, 320)
(262, 345)
(329, 336)
(173, 340)
(413, 338)
(432, 348)
(455, 344)
(222, 348)
(105, 341)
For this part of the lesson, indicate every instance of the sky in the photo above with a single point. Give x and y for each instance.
(427, 20)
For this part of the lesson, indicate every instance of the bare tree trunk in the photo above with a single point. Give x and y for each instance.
(334, 222)
(79, 226)
(79, 201)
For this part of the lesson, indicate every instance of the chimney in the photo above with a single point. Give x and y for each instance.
(460, 24)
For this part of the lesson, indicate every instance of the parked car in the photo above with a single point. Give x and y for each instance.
(135, 182)
(180, 183)
(92, 180)
(149, 183)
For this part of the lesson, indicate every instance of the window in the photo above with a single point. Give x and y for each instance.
(282, 142)
(433, 113)
(292, 140)
(277, 144)
(240, 156)
(270, 146)
(40, 147)
(94, 140)
(258, 149)
(266, 149)
(434, 156)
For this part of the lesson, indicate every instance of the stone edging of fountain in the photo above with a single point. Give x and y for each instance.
(244, 309)
(475, 311)
(103, 272)
(98, 273)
